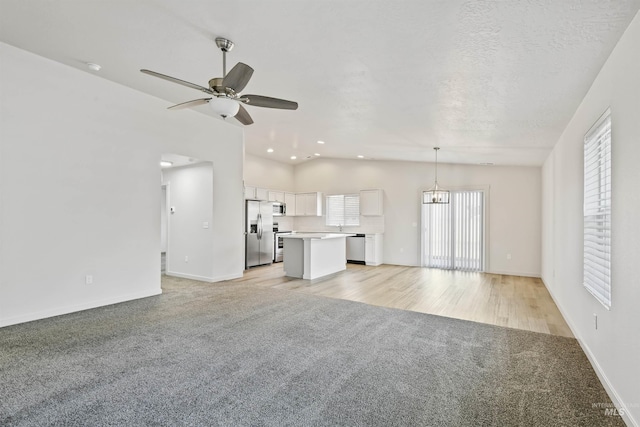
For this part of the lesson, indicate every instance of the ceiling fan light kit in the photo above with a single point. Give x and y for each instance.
(436, 195)
(224, 107)
(225, 98)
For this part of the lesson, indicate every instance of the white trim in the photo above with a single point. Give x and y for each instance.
(189, 276)
(78, 307)
(227, 277)
(204, 278)
(608, 387)
(514, 273)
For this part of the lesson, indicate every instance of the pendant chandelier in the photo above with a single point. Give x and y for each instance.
(435, 195)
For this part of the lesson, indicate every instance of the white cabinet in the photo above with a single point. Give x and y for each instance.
(256, 193)
(309, 204)
(373, 249)
(290, 201)
(262, 194)
(371, 202)
(249, 192)
(276, 196)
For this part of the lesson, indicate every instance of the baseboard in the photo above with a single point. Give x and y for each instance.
(608, 387)
(189, 276)
(514, 273)
(227, 277)
(204, 278)
(59, 311)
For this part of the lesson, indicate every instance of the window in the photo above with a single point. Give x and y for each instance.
(454, 232)
(597, 210)
(343, 210)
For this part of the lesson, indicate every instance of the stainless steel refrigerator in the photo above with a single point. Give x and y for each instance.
(258, 233)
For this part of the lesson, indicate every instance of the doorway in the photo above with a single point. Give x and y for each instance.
(164, 226)
(454, 233)
(186, 217)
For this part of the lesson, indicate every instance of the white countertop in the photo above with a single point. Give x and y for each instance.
(317, 235)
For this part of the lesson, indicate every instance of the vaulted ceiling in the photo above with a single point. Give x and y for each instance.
(488, 81)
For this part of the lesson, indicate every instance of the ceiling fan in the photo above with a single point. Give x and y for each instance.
(225, 97)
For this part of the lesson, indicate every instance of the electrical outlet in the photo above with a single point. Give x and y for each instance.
(186, 258)
(509, 256)
(88, 279)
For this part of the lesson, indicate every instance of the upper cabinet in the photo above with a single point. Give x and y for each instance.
(276, 196)
(371, 202)
(309, 204)
(262, 194)
(290, 201)
(256, 193)
(249, 192)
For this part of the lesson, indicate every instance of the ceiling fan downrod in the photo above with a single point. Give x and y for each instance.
(225, 46)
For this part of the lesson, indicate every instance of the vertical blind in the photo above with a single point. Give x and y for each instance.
(343, 209)
(455, 232)
(597, 210)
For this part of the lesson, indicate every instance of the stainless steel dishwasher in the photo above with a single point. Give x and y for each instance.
(355, 249)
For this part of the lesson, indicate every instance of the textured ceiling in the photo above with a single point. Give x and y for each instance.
(488, 81)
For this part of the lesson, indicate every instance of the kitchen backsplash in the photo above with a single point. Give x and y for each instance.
(285, 223)
(368, 224)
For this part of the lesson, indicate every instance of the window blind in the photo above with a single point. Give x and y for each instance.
(597, 210)
(455, 232)
(343, 209)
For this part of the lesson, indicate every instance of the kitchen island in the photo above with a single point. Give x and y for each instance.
(314, 255)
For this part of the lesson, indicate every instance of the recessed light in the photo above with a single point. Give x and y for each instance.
(320, 142)
(269, 150)
(360, 156)
(93, 67)
(165, 163)
(293, 157)
(316, 154)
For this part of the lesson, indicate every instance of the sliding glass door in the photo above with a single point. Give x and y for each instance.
(454, 233)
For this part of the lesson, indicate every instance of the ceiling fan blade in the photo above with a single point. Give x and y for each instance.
(268, 102)
(180, 82)
(238, 77)
(243, 116)
(189, 104)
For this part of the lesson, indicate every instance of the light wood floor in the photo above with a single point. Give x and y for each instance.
(512, 301)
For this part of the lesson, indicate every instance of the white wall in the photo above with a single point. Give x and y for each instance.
(514, 204)
(267, 173)
(79, 187)
(190, 251)
(614, 348)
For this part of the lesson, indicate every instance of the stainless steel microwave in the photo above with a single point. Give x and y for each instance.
(279, 209)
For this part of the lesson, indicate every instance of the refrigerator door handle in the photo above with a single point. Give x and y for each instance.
(259, 226)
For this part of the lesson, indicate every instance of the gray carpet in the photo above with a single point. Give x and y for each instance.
(234, 355)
